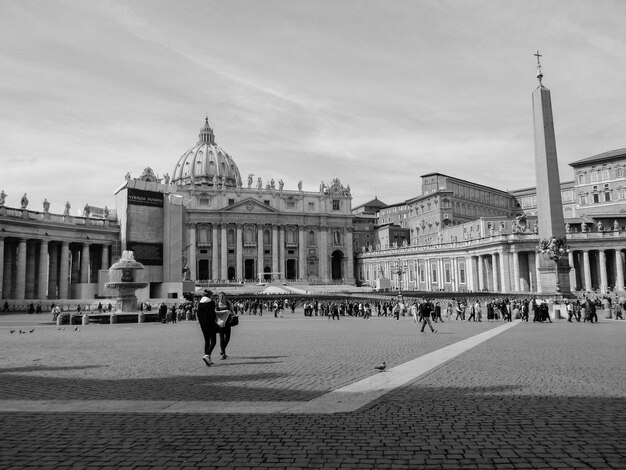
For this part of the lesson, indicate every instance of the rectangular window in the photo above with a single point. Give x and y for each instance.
(336, 204)
(621, 193)
(594, 176)
(267, 203)
(447, 273)
(607, 197)
(434, 275)
(311, 206)
(606, 175)
(620, 172)
(462, 273)
(231, 202)
(596, 197)
(422, 274)
(290, 205)
(583, 199)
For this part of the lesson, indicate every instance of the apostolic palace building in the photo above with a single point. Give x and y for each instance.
(205, 224)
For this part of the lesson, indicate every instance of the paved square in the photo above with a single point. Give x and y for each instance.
(533, 396)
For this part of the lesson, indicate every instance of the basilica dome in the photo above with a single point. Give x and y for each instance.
(206, 164)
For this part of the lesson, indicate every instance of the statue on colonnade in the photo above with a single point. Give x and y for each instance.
(46, 205)
(24, 201)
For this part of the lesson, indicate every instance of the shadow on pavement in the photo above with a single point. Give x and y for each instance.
(418, 427)
(205, 385)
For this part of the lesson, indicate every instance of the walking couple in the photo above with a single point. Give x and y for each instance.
(214, 318)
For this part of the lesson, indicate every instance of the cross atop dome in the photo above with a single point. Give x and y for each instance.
(206, 133)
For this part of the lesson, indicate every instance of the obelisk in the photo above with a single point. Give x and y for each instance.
(549, 203)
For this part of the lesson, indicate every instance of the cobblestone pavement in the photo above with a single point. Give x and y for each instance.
(535, 396)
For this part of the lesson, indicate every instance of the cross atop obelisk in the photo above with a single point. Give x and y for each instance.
(539, 72)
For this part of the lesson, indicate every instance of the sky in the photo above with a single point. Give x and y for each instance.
(375, 93)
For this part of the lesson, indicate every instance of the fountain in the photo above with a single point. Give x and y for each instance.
(126, 287)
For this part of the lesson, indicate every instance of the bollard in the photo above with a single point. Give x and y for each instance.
(141, 318)
(113, 318)
(59, 319)
(609, 313)
(85, 319)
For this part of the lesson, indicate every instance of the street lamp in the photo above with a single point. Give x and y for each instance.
(555, 249)
(399, 269)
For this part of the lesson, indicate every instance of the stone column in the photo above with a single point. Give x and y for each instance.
(42, 284)
(469, 273)
(20, 277)
(516, 274)
(1, 265)
(215, 261)
(259, 250)
(84, 264)
(282, 261)
(274, 251)
(572, 269)
(428, 274)
(224, 253)
(587, 270)
(350, 256)
(64, 272)
(53, 270)
(104, 262)
(192, 262)
(239, 251)
(324, 274)
(441, 280)
(505, 280)
(302, 252)
(31, 270)
(619, 270)
(481, 276)
(494, 271)
(9, 272)
(537, 272)
(603, 276)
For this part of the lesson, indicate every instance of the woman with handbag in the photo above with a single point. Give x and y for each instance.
(208, 323)
(224, 322)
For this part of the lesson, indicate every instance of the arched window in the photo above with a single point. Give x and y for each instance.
(311, 237)
(231, 236)
(267, 239)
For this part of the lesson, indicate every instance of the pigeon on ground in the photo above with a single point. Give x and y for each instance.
(382, 367)
(22, 332)
(32, 331)
(12, 331)
(76, 329)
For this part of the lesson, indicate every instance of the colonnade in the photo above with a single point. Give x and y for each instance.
(506, 269)
(243, 251)
(33, 268)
